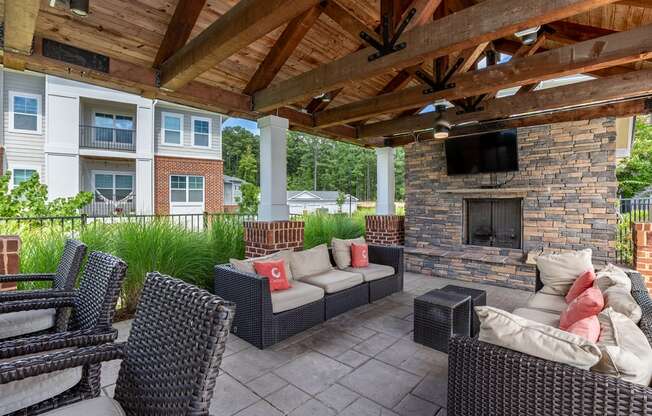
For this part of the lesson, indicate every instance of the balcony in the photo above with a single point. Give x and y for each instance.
(105, 138)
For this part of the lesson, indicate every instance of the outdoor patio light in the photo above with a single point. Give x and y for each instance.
(79, 7)
(528, 36)
(442, 126)
(325, 97)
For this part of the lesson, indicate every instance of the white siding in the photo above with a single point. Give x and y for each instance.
(89, 165)
(188, 150)
(23, 149)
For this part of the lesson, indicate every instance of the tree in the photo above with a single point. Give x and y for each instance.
(30, 199)
(248, 202)
(235, 142)
(635, 172)
(341, 199)
(248, 167)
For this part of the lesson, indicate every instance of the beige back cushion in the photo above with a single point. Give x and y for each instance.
(559, 271)
(622, 301)
(310, 262)
(626, 352)
(342, 251)
(247, 266)
(612, 276)
(504, 329)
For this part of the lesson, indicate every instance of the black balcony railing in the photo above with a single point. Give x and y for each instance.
(92, 137)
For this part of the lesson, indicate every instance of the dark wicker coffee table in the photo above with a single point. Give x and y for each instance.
(439, 314)
(478, 298)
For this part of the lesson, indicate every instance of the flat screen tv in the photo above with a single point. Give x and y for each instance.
(482, 153)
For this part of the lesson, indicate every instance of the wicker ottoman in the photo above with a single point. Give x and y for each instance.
(478, 298)
(438, 315)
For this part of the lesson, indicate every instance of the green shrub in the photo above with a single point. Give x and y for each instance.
(227, 238)
(321, 228)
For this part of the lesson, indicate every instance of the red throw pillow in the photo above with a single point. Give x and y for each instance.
(274, 270)
(589, 303)
(359, 255)
(582, 283)
(588, 328)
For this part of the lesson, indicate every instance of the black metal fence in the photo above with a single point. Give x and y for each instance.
(105, 138)
(630, 211)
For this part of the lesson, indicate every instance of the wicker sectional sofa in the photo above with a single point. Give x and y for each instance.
(484, 379)
(257, 323)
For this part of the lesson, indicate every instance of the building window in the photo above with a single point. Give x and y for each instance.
(25, 110)
(201, 131)
(113, 186)
(172, 129)
(114, 128)
(186, 189)
(20, 175)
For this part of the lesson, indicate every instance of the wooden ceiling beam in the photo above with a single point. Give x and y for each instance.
(491, 19)
(615, 49)
(563, 31)
(179, 29)
(634, 84)
(19, 27)
(636, 3)
(282, 49)
(347, 21)
(246, 22)
(425, 9)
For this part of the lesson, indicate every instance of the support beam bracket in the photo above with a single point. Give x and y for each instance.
(442, 84)
(388, 46)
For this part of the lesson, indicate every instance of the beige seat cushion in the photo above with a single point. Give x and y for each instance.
(507, 330)
(538, 315)
(99, 406)
(559, 271)
(298, 295)
(543, 301)
(14, 324)
(342, 251)
(247, 266)
(622, 301)
(335, 280)
(373, 271)
(611, 276)
(626, 352)
(310, 262)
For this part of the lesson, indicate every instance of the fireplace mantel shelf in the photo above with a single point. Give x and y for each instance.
(492, 191)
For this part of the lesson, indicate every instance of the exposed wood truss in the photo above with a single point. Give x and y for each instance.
(19, 27)
(179, 29)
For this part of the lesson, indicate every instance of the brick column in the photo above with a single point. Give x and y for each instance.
(643, 251)
(388, 230)
(9, 258)
(267, 237)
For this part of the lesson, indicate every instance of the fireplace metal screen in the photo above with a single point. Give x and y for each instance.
(494, 222)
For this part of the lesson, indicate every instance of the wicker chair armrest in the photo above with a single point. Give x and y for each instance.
(31, 366)
(33, 294)
(34, 304)
(387, 255)
(248, 284)
(484, 379)
(48, 342)
(40, 277)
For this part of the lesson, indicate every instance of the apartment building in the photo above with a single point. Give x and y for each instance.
(136, 155)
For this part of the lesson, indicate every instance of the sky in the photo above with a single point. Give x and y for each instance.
(252, 126)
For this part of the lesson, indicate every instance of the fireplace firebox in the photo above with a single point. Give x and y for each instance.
(493, 222)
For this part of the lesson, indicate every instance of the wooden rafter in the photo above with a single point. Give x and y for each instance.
(526, 50)
(616, 49)
(568, 32)
(282, 49)
(179, 29)
(636, 3)
(616, 87)
(245, 22)
(19, 27)
(458, 31)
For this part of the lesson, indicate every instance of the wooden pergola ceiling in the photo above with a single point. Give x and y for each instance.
(305, 59)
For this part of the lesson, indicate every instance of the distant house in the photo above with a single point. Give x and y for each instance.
(232, 192)
(323, 201)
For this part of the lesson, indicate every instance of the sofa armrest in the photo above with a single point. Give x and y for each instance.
(388, 256)
(252, 297)
(484, 379)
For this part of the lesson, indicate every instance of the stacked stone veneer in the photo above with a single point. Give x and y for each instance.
(9, 258)
(568, 187)
(388, 230)
(643, 251)
(263, 238)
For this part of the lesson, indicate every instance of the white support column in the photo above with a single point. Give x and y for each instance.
(385, 181)
(273, 169)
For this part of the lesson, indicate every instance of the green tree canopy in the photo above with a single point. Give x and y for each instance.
(635, 172)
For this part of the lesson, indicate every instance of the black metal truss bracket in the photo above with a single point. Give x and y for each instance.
(388, 45)
(648, 104)
(470, 105)
(442, 84)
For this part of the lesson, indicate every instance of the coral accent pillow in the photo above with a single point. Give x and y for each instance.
(588, 328)
(275, 271)
(589, 303)
(359, 255)
(582, 283)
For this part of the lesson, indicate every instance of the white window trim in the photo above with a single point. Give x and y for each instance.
(39, 111)
(210, 131)
(12, 167)
(187, 204)
(113, 172)
(113, 113)
(181, 138)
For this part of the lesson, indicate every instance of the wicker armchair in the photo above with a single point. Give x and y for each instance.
(170, 361)
(484, 379)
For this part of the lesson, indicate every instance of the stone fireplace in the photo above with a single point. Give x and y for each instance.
(482, 227)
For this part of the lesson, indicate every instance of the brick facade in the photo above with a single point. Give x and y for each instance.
(211, 170)
(9, 258)
(388, 230)
(567, 184)
(643, 251)
(267, 237)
